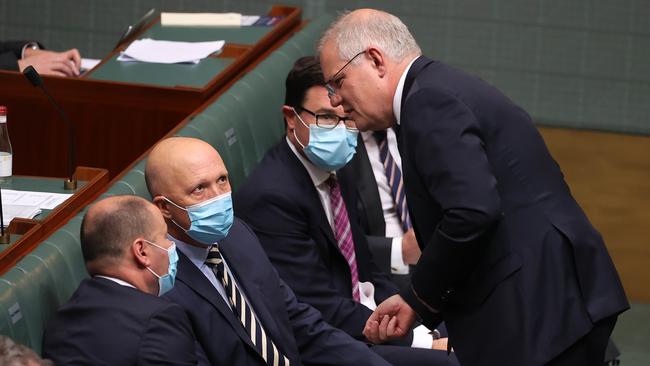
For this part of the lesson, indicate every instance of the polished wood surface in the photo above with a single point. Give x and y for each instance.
(609, 175)
(115, 122)
(34, 231)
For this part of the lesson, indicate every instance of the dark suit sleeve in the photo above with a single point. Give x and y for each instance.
(10, 53)
(283, 232)
(380, 247)
(321, 344)
(168, 339)
(458, 177)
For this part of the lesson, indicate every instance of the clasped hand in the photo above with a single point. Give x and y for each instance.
(392, 319)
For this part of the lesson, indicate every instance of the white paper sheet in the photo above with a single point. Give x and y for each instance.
(200, 19)
(169, 52)
(9, 212)
(89, 63)
(42, 200)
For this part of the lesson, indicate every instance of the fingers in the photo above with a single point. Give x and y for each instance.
(73, 54)
(371, 331)
(383, 328)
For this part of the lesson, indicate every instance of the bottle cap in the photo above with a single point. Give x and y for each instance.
(3, 110)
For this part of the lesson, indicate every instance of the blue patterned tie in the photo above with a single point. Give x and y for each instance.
(394, 177)
(243, 311)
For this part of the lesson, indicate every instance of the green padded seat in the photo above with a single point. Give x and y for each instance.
(230, 111)
(66, 241)
(36, 294)
(12, 321)
(50, 257)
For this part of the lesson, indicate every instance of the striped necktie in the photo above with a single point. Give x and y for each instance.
(343, 233)
(242, 310)
(394, 176)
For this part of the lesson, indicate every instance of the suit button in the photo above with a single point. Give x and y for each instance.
(446, 294)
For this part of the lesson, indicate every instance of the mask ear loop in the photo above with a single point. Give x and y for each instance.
(294, 130)
(182, 208)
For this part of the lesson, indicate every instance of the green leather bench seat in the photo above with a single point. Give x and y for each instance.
(242, 125)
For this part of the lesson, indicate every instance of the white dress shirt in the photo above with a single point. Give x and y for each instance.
(393, 225)
(116, 280)
(397, 97)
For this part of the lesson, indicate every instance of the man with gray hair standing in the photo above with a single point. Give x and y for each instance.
(509, 259)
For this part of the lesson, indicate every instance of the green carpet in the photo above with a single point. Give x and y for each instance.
(632, 335)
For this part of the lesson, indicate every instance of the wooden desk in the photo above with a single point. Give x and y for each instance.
(29, 233)
(120, 111)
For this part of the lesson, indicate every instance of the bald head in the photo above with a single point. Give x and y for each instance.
(174, 159)
(110, 226)
(361, 29)
(185, 171)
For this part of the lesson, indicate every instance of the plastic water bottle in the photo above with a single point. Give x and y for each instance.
(6, 153)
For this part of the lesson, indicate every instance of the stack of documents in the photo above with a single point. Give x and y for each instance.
(169, 52)
(200, 19)
(27, 204)
(215, 20)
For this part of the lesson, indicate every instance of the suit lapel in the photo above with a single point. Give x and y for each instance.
(415, 69)
(252, 285)
(196, 280)
(308, 192)
(372, 212)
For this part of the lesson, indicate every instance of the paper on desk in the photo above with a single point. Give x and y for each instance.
(89, 63)
(42, 200)
(200, 19)
(9, 212)
(169, 52)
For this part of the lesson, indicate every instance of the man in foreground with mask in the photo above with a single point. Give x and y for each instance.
(116, 317)
(301, 205)
(241, 311)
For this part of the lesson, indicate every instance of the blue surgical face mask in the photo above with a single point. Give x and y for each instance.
(166, 281)
(211, 219)
(329, 149)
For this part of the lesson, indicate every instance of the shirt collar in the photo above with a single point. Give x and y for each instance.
(397, 98)
(116, 280)
(196, 255)
(318, 176)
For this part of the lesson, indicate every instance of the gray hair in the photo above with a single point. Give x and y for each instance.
(15, 354)
(375, 29)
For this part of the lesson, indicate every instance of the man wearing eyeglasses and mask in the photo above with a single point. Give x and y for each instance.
(241, 311)
(116, 317)
(300, 203)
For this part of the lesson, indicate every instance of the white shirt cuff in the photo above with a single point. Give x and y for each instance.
(422, 338)
(367, 295)
(397, 265)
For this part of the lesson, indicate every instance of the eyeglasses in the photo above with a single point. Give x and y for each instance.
(329, 120)
(333, 85)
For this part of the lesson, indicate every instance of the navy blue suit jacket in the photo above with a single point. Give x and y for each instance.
(105, 323)
(297, 329)
(281, 204)
(10, 53)
(507, 251)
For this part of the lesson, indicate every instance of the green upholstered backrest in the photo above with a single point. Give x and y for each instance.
(242, 125)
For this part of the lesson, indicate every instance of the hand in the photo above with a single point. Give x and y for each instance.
(410, 249)
(65, 63)
(392, 319)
